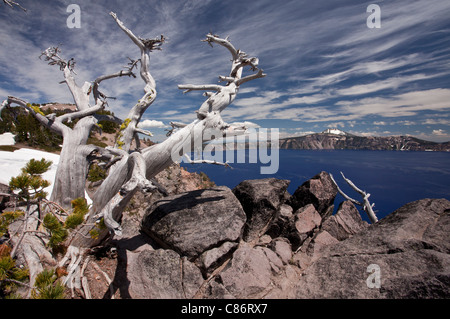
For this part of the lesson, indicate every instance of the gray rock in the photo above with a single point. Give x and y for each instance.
(274, 260)
(307, 219)
(211, 259)
(316, 247)
(260, 200)
(161, 274)
(345, 223)
(282, 247)
(216, 290)
(249, 273)
(319, 191)
(192, 278)
(193, 222)
(411, 247)
(284, 223)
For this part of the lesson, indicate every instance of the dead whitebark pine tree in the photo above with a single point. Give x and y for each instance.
(365, 204)
(129, 170)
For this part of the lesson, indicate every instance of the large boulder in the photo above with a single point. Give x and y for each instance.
(319, 191)
(191, 223)
(406, 253)
(260, 199)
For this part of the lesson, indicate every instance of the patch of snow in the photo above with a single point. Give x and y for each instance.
(11, 164)
(7, 139)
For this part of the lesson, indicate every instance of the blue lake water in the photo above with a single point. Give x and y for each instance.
(392, 178)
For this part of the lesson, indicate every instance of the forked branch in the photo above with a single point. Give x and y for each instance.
(220, 96)
(365, 204)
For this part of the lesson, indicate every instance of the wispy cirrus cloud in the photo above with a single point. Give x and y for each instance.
(324, 65)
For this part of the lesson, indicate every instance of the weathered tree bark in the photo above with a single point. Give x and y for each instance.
(130, 130)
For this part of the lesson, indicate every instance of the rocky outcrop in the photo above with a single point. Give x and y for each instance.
(257, 241)
(319, 191)
(410, 247)
(260, 200)
(248, 275)
(326, 141)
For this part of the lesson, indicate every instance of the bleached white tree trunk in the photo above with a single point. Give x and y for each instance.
(75, 153)
(125, 177)
(129, 170)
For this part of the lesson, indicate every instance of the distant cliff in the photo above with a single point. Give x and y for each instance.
(346, 141)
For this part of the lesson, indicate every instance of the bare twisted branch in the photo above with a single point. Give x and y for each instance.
(13, 3)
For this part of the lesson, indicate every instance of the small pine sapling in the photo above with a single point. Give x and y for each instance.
(47, 286)
(30, 183)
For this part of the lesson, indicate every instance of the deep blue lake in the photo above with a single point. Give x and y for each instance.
(392, 178)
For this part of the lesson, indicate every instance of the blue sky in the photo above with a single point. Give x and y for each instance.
(325, 67)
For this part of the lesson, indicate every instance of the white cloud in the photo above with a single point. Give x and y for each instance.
(336, 125)
(247, 124)
(391, 83)
(437, 122)
(151, 124)
(406, 104)
(439, 132)
(320, 54)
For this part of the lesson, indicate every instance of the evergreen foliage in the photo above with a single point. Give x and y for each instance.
(109, 127)
(96, 173)
(56, 229)
(28, 130)
(6, 219)
(80, 208)
(34, 167)
(47, 286)
(99, 226)
(9, 272)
